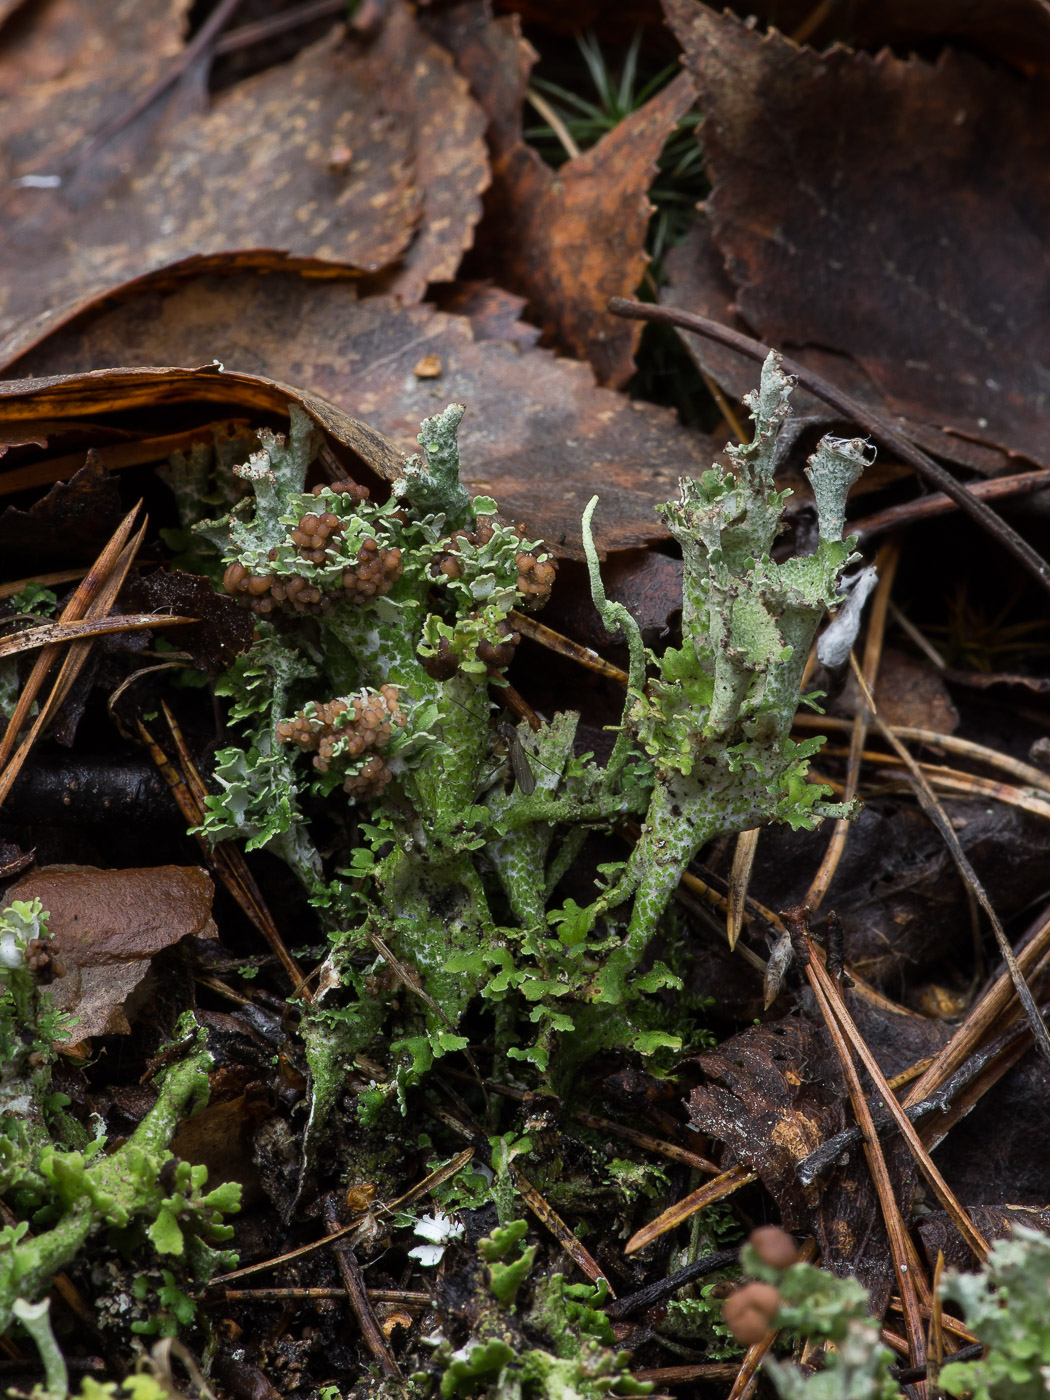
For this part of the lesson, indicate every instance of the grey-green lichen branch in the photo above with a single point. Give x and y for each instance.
(715, 721)
(384, 632)
(52, 1173)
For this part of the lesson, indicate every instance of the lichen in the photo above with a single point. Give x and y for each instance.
(73, 1193)
(383, 687)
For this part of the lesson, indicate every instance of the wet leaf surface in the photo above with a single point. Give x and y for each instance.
(539, 435)
(106, 927)
(773, 1094)
(838, 230)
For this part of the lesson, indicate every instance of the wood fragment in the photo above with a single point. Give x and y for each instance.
(705, 1195)
(548, 1216)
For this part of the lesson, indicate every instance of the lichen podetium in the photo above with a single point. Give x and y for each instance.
(378, 699)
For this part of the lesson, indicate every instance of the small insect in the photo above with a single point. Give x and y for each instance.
(519, 763)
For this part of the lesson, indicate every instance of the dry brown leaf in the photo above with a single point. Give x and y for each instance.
(70, 67)
(575, 237)
(539, 435)
(1017, 30)
(253, 181)
(495, 60)
(451, 167)
(107, 925)
(570, 239)
(839, 229)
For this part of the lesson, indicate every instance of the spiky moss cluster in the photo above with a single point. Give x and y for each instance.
(457, 864)
(71, 1195)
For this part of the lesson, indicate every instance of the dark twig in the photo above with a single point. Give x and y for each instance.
(880, 427)
(261, 30)
(938, 1102)
(357, 1293)
(927, 507)
(908, 1374)
(664, 1287)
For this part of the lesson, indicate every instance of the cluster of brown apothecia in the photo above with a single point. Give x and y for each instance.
(751, 1309)
(444, 664)
(347, 729)
(535, 576)
(376, 571)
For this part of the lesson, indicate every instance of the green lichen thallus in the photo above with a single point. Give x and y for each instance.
(459, 873)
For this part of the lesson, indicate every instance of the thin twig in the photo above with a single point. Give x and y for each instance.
(706, 1195)
(550, 116)
(886, 565)
(934, 810)
(357, 1294)
(937, 503)
(880, 427)
(891, 1215)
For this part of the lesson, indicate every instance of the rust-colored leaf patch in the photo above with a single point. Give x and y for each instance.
(539, 435)
(106, 926)
(576, 236)
(886, 209)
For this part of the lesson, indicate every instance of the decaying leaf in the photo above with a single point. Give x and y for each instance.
(566, 240)
(222, 631)
(253, 181)
(773, 1094)
(839, 229)
(99, 397)
(107, 925)
(939, 1236)
(450, 165)
(539, 435)
(577, 234)
(910, 691)
(71, 67)
(902, 902)
(1017, 30)
(65, 527)
(495, 60)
